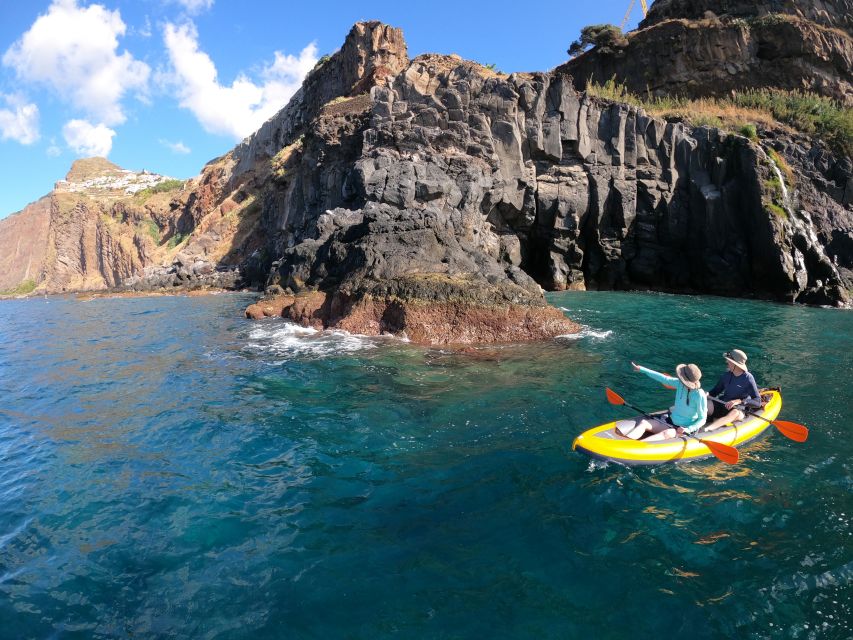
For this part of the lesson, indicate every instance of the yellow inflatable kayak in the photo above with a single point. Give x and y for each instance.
(604, 444)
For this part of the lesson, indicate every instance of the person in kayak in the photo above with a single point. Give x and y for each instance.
(735, 391)
(686, 415)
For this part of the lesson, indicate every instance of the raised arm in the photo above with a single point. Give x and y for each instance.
(656, 375)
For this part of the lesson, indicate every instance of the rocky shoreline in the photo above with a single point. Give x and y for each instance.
(438, 199)
(456, 315)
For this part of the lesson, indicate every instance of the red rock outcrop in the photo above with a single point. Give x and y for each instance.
(424, 322)
(24, 246)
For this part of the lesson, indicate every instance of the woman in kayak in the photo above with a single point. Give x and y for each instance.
(686, 415)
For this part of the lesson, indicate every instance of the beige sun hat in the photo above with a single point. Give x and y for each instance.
(690, 375)
(737, 358)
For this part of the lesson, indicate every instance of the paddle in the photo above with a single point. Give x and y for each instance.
(792, 430)
(722, 451)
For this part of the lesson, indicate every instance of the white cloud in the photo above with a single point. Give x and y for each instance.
(74, 50)
(243, 107)
(87, 139)
(145, 30)
(176, 147)
(53, 151)
(21, 121)
(195, 6)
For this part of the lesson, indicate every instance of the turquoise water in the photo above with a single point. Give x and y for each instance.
(172, 470)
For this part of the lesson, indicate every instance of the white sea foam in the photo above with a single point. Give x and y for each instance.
(287, 340)
(587, 332)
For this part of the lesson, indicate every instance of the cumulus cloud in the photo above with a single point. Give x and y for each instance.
(74, 50)
(241, 108)
(176, 147)
(20, 122)
(86, 139)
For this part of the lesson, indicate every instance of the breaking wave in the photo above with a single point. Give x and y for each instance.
(587, 332)
(287, 340)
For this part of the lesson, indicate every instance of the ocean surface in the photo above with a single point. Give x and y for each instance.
(172, 470)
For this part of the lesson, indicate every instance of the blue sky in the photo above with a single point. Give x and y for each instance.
(167, 85)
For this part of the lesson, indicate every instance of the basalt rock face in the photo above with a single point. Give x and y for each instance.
(391, 241)
(700, 48)
(453, 182)
(828, 13)
(636, 202)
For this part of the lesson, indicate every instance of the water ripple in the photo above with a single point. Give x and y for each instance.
(173, 470)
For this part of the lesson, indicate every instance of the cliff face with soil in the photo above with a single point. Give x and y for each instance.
(100, 226)
(700, 48)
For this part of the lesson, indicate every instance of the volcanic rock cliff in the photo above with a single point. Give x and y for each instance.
(450, 181)
(436, 198)
(700, 48)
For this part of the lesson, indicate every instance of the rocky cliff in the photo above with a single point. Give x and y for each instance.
(437, 198)
(701, 48)
(99, 227)
(450, 177)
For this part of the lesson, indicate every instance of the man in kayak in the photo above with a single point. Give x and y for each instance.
(735, 391)
(686, 415)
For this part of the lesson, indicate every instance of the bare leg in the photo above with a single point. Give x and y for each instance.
(661, 431)
(637, 432)
(731, 416)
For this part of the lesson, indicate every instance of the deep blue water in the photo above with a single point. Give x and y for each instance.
(172, 470)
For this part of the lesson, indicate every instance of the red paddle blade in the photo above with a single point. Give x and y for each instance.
(792, 430)
(613, 397)
(724, 452)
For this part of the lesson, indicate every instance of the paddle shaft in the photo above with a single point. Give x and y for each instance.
(743, 408)
(791, 430)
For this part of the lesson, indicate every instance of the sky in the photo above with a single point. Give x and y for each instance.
(167, 85)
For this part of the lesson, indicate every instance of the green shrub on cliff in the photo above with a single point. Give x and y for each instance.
(749, 131)
(604, 37)
(177, 239)
(784, 167)
(774, 187)
(806, 112)
(776, 210)
(27, 286)
(150, 228)
(161, 187)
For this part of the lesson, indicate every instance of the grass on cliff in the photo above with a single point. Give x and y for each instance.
(27, 286)
(162, 187)
(149, 228)
(177, 239)
(784, 167)
(776, 210)
(806, 112)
